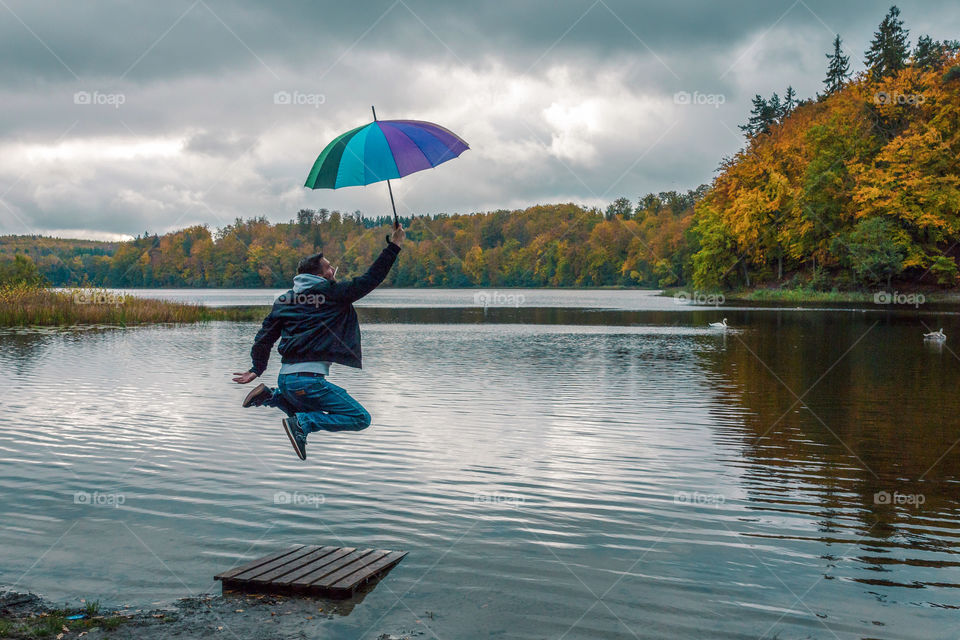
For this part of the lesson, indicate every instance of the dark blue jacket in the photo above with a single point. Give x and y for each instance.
(320, 323)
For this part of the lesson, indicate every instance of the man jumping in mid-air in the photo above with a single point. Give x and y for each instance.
(317, 326)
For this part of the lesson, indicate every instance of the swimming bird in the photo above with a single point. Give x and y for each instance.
(935, 335)
(719, 325)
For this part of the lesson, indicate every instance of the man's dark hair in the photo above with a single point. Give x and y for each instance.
(310, 264)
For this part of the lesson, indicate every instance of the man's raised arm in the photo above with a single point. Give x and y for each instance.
(353, 290)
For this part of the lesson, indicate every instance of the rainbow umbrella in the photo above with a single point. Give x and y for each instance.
(383, 150)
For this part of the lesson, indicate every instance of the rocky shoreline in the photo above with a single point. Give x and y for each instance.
(238, 616)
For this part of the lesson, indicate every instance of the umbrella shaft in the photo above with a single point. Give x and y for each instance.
(396, 221)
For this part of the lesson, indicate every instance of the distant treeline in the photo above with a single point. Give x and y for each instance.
(554, 245)
(859, 186)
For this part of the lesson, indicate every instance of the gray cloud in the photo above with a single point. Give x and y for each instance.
(220, 143)
(176, 122)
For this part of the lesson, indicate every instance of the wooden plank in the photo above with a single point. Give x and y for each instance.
(255, 563)
(307, 579)
(354, 567)
(299, 564)
(310, 578)
(306, 569)
(353, 581)
(270, 566)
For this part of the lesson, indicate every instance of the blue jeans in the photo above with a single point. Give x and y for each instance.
(318, 405)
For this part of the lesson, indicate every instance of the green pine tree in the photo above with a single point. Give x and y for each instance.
(789, 102)
(889, 48)
(838, 69)
(763, 114)
(930, 53)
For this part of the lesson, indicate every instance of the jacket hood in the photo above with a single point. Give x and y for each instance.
(304, 281)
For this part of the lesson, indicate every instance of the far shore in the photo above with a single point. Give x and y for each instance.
(22, 306)
(894, 298)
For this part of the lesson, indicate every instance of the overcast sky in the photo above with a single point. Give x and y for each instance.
(121, 117)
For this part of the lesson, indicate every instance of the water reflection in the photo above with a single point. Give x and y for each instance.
(853, 425)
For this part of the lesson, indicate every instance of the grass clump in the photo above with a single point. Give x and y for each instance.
(803, 294)
(41, 626)
(111, 623)
(92, 608)
(30, 305)
(50, 624)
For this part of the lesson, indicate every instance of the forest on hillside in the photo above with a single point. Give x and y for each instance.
(855, 187)
(859, 186)
(554, 245)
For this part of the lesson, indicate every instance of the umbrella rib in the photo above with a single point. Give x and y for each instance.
(392, 158)
(433, 124)
(447, 152)
(335, 148)
(341, 166)
(414, 143)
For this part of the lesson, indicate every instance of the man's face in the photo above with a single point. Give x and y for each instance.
(327, 270)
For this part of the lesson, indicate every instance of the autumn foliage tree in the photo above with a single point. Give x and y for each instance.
(801, 198)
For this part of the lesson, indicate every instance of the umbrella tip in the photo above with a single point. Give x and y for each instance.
(374, 113)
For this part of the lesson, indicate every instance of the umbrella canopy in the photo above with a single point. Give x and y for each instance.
(383, 150)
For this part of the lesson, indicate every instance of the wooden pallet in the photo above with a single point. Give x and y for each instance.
(335, 572)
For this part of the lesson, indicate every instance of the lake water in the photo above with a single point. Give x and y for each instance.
(615, 471)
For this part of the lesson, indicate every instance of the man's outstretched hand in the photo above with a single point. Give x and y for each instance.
(398, 235)
(245, 377)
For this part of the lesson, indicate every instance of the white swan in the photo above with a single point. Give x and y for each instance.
(935, 335)
(719, 325)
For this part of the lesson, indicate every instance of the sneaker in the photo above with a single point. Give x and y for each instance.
(256, 397)
(297, 437)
